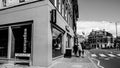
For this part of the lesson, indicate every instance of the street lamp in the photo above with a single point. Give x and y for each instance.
(115, 28)
(116, 32)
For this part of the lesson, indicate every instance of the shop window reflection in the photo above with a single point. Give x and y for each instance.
(56, 43)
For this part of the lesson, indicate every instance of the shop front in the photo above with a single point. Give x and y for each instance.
(15, 43)
(57, 41)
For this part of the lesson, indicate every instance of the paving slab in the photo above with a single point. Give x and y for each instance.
(73, 62)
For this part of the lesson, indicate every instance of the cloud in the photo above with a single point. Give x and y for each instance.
(87, 26)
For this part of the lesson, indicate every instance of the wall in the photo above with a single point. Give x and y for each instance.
(38, 12)
(62, 23)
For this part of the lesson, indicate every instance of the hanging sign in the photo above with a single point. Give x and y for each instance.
(53, 16)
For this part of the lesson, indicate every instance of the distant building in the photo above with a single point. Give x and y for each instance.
(100, 39)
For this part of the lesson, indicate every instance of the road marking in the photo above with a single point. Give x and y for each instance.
(118, 54)
(98, 62)
(93, 55)
(91, 59)
(102, 55)
(111, 55)
(107, 58)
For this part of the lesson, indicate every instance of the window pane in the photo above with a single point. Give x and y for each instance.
(56, 43)
(55, 3)
(22, 36)
(3, 42)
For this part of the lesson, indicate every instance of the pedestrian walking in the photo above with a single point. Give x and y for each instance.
(75, 49)
(79, 50)
(83, 47)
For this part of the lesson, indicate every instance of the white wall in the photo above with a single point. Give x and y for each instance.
(42, 39)
(62, 23)
(38, 12)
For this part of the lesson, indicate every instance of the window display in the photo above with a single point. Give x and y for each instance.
(56, 43)
(22, 36)
(15, 42)
(3, 42)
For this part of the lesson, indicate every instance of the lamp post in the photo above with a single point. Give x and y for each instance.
(116, 29)
(116, 33)
(117, 42)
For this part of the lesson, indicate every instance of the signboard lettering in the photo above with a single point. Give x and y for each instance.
(25, 40)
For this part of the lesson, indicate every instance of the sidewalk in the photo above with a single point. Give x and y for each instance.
(74, 62)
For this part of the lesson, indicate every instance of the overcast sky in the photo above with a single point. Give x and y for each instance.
(96, 14)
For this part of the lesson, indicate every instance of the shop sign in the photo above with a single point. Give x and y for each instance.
(53, 16)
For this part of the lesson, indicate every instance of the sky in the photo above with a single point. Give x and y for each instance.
(97, 14)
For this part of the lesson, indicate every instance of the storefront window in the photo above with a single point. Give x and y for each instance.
(22, 36)
(63, 10)
(3, 42)
(59, 5)
(56, 43)
(15, 42)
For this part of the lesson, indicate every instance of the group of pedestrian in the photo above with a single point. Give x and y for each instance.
(78, 50)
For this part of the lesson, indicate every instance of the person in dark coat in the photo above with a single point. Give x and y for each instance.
(83, 47)
(75, 49)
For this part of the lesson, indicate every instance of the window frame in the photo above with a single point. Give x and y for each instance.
(9, 26)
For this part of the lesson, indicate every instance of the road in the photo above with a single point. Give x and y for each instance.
(106, 58)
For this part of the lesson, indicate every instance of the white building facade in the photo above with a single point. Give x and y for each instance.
(35, 32)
